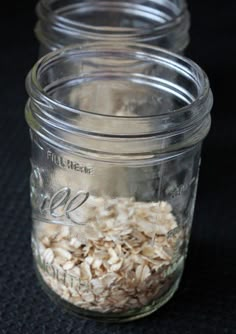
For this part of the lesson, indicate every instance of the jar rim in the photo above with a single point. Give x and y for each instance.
(54, 121)
(149, 52)
(45, 11)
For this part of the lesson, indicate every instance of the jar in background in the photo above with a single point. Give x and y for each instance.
(114, 174)
(163, 23)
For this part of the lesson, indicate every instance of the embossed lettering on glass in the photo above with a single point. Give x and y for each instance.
(116, 147)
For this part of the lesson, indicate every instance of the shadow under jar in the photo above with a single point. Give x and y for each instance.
(163, 23)
(114, 174)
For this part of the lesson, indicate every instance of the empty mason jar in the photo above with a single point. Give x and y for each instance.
(114, 174)
(163, 23)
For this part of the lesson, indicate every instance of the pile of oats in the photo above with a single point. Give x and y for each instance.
(122, 258)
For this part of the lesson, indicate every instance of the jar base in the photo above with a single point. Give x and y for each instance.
(110, 317)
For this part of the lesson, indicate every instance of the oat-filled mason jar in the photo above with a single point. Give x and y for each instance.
(157, 22)
(114, 174)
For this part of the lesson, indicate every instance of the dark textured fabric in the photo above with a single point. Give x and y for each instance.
(206, 299)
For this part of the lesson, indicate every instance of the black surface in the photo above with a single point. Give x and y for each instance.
(206, 300)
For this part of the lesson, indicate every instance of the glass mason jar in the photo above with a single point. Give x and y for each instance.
(116, 140)
(163, 23)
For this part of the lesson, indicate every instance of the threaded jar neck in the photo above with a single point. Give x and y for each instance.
(125, 99)
(159, 22)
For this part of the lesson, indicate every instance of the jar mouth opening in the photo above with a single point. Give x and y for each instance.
(186, 70)
(116, 18)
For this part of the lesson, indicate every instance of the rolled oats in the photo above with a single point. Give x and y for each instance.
(121, 259)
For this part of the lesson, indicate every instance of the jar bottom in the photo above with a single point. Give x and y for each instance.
(111, 317)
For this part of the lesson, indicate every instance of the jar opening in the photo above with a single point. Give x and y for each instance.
(121, 95)
(123, 81)
(113, 17)
(114, 93)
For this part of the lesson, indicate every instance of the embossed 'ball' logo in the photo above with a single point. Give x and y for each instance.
(63, 204)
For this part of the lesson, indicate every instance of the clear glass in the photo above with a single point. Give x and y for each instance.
(163, 23)
(116, 139)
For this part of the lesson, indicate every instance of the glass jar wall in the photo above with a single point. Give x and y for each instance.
(116, 146)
